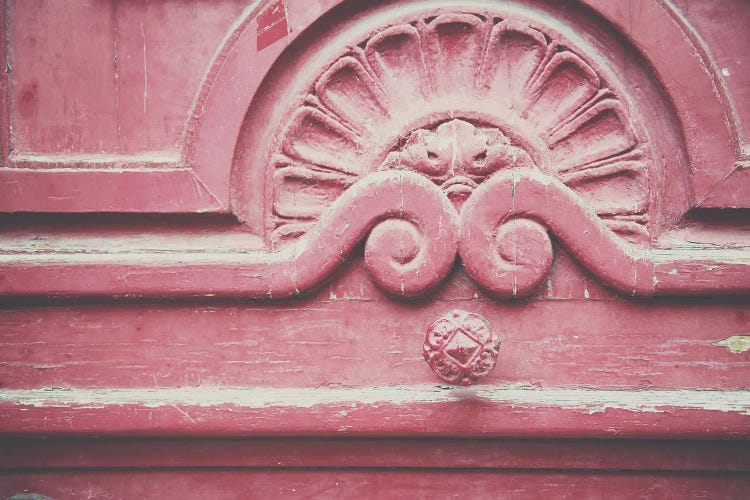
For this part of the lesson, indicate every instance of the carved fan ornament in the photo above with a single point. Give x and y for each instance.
(457, 98)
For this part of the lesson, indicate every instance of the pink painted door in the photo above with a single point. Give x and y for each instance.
(335, 248)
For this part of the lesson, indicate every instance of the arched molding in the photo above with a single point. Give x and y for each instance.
(682, 69)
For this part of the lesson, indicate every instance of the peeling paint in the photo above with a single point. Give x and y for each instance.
(736, 343)
(588, 400)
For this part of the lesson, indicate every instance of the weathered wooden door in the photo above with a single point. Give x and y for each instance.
(386, 248)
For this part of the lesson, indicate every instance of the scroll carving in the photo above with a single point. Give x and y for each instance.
(410, 231)
(502, 236)
(506, 248)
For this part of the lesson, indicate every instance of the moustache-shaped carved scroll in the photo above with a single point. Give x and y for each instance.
(410, 229)
(408, 225)
(502, 237)
(505, 244)
(412, 233)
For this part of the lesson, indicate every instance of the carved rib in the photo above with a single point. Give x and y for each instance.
(397, 58)
(350, 92)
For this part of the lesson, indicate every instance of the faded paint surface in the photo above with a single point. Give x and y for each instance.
(358, 170)
(593, 401)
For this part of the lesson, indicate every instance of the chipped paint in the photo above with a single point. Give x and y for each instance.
(736, 343)
(273, 25)
(711, 255)
(83, 160)
(593, 401)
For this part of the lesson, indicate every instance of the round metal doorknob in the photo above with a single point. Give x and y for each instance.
(460, 347)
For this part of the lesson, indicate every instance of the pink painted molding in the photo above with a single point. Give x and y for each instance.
(108, 189)
(412, 234)
(183, 181)
(398, 410)
(435, 453)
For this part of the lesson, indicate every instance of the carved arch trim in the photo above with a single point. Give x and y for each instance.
(222, 102)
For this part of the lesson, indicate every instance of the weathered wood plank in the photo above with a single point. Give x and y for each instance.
(428, 484)
(555, 343)
(404, 452)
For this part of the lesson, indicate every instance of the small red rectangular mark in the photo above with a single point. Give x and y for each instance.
(272, 25)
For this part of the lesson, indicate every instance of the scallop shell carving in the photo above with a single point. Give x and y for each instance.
(458, 97)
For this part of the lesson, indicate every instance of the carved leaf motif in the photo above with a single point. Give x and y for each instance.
(348, 90)
(622, 193)
(629, 161)
(287, 231)
(618, 187)
(456, 46)
(598, 132)
(302, 192)
(320, 140)
(513, 54)
(397, 59)
(562, 86)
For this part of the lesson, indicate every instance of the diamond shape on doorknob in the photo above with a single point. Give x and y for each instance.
(460, 347)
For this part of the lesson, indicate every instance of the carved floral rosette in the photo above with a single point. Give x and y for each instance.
(460, 347)
(458, 97)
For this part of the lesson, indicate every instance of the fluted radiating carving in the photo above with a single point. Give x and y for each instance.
(457, 97)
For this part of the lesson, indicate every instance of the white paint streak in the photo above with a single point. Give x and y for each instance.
(264, 397)
(288, 22)
(717, 256)
(151, 157)
(252, 256)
